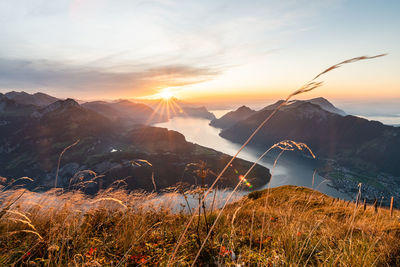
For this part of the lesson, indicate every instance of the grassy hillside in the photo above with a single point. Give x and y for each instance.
(300, 227)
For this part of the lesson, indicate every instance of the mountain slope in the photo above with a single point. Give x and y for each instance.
(232, 117)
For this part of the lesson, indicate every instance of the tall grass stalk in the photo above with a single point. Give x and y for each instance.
(59, 160)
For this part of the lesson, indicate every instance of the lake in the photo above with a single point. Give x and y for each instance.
(288, 171)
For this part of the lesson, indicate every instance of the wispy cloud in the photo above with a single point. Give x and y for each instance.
(45, 74)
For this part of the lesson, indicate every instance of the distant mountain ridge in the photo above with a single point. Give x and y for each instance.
(200, 112)
(123, 110)
(37, 99)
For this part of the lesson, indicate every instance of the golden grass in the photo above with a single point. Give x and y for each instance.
(302, 227)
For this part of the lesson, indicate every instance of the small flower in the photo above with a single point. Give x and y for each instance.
(91, 251)
(224, 251)
(299, 234)
(26, 255)
(138, 258)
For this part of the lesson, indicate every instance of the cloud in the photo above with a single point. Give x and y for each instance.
(134, 47)
(43, 74)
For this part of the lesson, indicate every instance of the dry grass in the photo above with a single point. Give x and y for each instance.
(303, 227)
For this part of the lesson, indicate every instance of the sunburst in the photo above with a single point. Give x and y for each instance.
(167, 106)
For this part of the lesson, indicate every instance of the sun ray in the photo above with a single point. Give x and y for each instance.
(155, 112)
(180, 110)
(166, 107)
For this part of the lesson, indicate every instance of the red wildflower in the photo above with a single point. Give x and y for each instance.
(91, 251)
(139, 258)
(26, 255)
(298, 233)
(224, 251)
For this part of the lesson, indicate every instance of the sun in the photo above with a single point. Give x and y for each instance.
(167, 106)
(166, 95)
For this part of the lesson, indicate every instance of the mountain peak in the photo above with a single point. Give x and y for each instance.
(326, 105)
(69, 102)
(233, 117)
(243, 108)
(59, 105)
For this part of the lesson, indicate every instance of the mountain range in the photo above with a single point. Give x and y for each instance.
(349, 140)
(32, 138)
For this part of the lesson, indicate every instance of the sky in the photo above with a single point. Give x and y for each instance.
(210, 50)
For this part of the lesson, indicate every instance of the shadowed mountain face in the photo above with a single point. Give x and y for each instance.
(232, 117)
(349, 140)
(32, 138)
(37, 99)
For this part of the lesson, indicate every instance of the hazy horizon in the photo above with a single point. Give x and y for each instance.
(360, 107)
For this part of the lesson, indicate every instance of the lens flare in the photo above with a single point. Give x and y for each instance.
(249, 185)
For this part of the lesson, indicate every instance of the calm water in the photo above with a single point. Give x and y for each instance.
(287, 172)
(388, 120)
